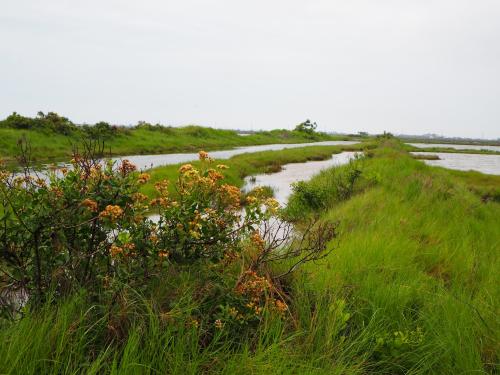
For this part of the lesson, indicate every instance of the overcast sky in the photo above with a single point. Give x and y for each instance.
(420, 66)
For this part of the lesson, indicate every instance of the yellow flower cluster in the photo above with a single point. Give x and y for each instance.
(280, 306)
(4, 175)
(111, 212)
(255, 307)
(115, 250)
(250, 199)
(252, 285)
(214, 175)
(272, 205)
(232, 194)
(126, 250)
(139, 197)
(95, 171)
(222, 166)
(143, 178)
(162, 187)
(186, 167)
(90, 205)
(257, 240)
(159, 202)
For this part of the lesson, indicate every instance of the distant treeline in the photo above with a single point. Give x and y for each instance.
(56, 123)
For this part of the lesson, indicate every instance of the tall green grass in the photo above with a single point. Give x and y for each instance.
(418, 250)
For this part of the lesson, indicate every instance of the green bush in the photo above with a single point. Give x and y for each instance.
(327, 188)
(49, 122)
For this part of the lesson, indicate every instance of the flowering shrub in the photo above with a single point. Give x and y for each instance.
(89, 226)
(205, 220)
(58, 230)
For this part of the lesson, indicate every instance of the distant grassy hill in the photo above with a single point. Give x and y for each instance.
(53, 137)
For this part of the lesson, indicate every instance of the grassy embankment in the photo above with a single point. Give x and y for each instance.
(448, 150)
(49, 145)
(451, 141)
(410, 288)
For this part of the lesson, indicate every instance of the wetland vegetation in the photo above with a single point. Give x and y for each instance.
(392, 268)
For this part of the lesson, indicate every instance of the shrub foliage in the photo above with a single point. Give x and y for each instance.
(87, 226)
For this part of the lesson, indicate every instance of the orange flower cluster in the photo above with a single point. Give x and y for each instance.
(203, 155)
(95, 171)
(126, 167)
(232, 194)
(163, 254)
(127, 250)
(143, 178)
(214, 175)
(250, 199)
(229, 258)
(159, 202)
(280, 306)
(257, 240)
(111, 212)
(253, 286)
(139, 197)
(115, 250)
(4, 175)
(90, 205)
(162, 187)
(154, 238)
(185, 168)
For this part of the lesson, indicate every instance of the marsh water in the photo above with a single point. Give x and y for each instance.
(281, 182)
(150, 161)
(456, 147)
(489, 164)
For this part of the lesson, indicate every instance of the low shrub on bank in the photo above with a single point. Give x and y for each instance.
(88, 229)
(329, 186)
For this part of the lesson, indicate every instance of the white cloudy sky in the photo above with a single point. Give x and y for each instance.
(404, 66)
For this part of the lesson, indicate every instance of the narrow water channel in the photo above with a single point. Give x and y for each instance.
(281, 182)
(150, 161)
